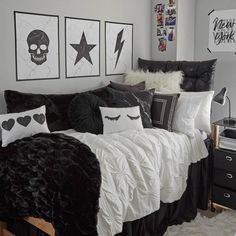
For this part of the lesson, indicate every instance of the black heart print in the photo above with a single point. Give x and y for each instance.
(24, 121)
(8, 124)
(40, 118)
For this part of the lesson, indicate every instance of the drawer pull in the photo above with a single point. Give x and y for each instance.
(229, 176)
(228, 158)
(227, 195)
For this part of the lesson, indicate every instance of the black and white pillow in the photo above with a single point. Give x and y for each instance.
(121, 119)
(163, 110)
(24, 124)
(143, 99)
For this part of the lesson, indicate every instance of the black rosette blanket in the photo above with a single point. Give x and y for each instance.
(54, 177)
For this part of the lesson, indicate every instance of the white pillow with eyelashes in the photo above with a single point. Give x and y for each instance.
(121, 119)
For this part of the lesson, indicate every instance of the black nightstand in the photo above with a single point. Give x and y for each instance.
(224, 171)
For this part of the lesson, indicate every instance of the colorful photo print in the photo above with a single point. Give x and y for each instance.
(171, 34)
(159, 8)
(160, 19)
(161, 31)
(170, 20)
(171, 2)
(171, 10)
(162, 44)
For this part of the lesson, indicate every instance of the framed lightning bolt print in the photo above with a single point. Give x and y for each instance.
(82, 47)
(119, 47)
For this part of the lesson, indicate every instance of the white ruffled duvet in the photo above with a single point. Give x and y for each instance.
(140, 169)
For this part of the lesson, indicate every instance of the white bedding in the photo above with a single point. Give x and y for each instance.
(140, 169)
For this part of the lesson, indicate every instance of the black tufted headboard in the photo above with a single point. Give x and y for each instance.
(198, 75)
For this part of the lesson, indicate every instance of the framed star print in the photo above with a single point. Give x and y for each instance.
(37, 46)
(119, 47)
(82, 47)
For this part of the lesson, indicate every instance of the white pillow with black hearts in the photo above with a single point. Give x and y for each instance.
(121, 119)
(24, 124)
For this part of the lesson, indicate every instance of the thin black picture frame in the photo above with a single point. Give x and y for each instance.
(15, 32)
(66, 69)
(132, 56)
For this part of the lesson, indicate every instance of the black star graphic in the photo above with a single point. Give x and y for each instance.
(83, 49)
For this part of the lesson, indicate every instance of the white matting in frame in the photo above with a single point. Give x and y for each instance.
(119, 47)
(82, 47)
(37, 46)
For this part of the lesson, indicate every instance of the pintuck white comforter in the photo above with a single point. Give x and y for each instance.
(140, 169)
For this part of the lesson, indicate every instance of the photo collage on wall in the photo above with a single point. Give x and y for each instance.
(166, 24)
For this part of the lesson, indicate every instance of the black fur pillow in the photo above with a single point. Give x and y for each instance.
(56, 106)
(84, 113)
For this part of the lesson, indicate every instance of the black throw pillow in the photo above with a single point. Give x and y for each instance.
(198, 75)
(127, 87)
(84, 113)
(163, 110)
(143, 99)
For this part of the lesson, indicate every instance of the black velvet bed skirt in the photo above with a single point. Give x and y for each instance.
(195, 196)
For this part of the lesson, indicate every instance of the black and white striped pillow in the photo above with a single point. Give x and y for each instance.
(163, 110)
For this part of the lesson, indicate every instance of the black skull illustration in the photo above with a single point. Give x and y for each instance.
(38, 43)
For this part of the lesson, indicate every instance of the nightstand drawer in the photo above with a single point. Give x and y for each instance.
(225, 179)
(225, 160)
(224, 197)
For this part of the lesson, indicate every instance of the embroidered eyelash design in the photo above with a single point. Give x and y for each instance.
(133, 117)
(112, 118)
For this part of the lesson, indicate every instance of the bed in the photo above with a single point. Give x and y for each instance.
(152, 196)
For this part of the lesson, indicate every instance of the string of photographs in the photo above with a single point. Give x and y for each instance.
(166, 24)
(38, 52)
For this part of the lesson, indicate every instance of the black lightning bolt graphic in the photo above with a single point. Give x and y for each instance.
(119, 45)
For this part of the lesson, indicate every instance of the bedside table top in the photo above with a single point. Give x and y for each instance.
(222, 123)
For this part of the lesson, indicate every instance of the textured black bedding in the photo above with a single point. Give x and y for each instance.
(155, 224)
(54, 177)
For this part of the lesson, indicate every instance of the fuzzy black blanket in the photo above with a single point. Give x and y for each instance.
(54, 177)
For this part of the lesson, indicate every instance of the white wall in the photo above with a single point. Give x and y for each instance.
(225, 74)
(133, 11)
(186, 29)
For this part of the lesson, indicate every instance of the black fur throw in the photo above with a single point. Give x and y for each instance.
(84, 113)
(54, 177)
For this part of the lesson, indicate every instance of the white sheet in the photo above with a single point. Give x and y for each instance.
(140, 169)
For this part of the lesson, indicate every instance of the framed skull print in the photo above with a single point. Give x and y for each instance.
(37, 46)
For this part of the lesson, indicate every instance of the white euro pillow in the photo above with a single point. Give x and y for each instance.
(121, 119)
(203, 118)
(163, 82)
(24, 124)
(185, 113)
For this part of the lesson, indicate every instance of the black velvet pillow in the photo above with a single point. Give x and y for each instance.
(56, 106)
(126, 87)
(163, 110)
(197, 74)
(84, 113)
(143, 99)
